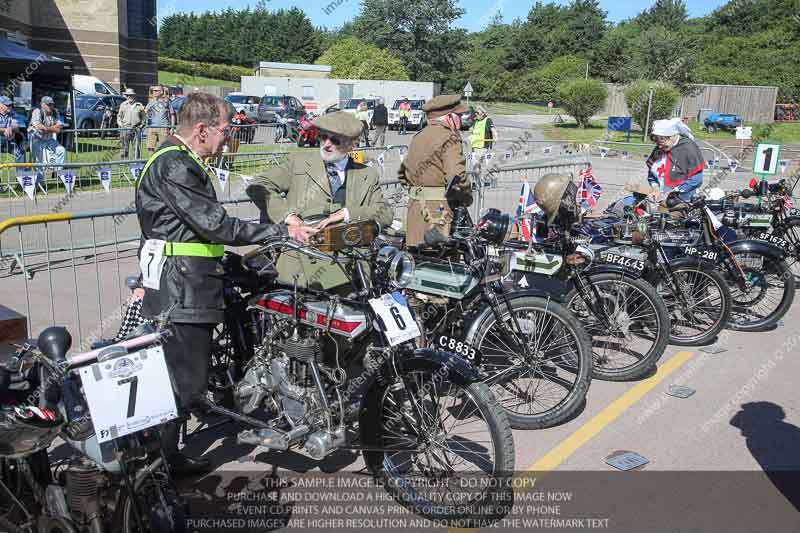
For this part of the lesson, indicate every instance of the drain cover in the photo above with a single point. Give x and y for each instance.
(627, 461)
(714, 348)
(679, 391)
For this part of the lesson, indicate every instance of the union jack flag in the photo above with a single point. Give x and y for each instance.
(589, 190)
(527, 204)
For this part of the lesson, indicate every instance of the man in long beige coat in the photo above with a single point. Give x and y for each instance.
(434, 157)
(328, 183)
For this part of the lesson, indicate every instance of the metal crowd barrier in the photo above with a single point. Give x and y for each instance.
(77, 278)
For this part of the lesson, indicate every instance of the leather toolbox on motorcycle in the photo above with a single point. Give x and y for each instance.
(342, 236)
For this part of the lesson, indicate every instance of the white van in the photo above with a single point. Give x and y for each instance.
(92, 85)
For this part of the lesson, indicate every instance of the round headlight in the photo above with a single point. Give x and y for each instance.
(397, 266)
(495, 226)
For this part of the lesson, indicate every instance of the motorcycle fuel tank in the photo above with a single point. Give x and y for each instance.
(345, 320)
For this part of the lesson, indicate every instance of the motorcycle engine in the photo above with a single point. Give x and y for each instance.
(284, 379)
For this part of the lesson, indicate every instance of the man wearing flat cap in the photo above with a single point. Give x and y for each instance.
(435, 157)
(328, 184)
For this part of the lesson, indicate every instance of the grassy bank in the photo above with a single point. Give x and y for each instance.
(175, 78)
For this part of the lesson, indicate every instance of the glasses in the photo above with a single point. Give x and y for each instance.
(226, 131)
(335, 139)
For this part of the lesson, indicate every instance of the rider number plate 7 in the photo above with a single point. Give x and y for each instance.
(398, 324)
(129, 393)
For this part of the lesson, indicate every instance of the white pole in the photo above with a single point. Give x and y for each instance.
(649, 107)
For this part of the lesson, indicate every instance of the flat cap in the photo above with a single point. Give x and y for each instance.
(339, 123)
(47, 100)
(439, 106)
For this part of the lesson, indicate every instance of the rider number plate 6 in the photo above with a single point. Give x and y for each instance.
(627, 262)
(398, 324)
(129, 393)
(450, 344)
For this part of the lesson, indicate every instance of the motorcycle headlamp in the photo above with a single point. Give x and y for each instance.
(394, 265)
(495, 226)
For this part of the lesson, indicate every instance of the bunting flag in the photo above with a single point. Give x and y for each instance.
(489, 156)
(105, 178)
(28, 184)
(223, 176)
(403, 151)
(527, 204)
(246, 178)
(507, 156)
(603, 153)
(68, 179)
(589, 190)
(784, 164)
(547, 149)
(733, 164)
(136, 171)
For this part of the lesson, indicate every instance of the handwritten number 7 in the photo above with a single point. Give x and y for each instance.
(152, 256)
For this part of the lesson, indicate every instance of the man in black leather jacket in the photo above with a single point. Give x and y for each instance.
(184, 230)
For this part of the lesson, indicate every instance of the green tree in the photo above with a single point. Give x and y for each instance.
(353, 59)
(542, 84)
(613, 59)
(582, 99)
(666, 13)
(668, 56)
(417, 31)
(637, 95)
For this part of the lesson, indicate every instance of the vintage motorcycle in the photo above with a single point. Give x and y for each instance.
(626, 318)
(533, 352)
(117, 479)
(696, 295)
(760, 280)
(320, 371)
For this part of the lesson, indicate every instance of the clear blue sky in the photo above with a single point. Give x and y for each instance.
(479, 12)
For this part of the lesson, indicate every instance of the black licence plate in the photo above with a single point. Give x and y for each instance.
(627, 262)
(459, 347)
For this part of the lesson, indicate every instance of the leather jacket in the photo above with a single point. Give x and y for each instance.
(176, 202)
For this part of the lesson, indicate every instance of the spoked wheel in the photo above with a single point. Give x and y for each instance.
(766, 296)
(540, 375)
(221, 367)
(790, 230)
(16, 476)
(703, 309)
(636, 335)
(448, 448)
(158, 503)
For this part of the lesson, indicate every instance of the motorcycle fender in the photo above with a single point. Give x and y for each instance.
(458, 369)
(486, 310)
(693, 261)
(761, 247)
(612, 269)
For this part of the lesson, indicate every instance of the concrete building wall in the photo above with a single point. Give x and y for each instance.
(286, 73)
(317, 92)
(93, 34)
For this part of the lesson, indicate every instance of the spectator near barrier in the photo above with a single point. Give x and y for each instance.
(12, 140)
(45, 126)
(159, 119)
(483, 137)
(405, 114)
(380, 119)
(130, 117)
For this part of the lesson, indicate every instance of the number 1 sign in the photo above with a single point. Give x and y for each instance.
(766, 159)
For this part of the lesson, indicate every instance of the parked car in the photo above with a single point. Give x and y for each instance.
(722, 121)
(92, 85)
(417, 120)
(352, 106)
(91, 110)
(286, 106)
(468, 118)
(245, 103)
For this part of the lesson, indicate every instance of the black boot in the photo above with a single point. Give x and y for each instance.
(180, 464)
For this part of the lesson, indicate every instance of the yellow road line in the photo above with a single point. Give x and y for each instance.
(590, 429)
